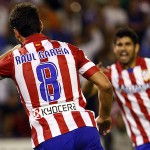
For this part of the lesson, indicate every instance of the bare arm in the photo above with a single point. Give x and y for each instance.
(105, 95)
(9, 51)
(89, 89)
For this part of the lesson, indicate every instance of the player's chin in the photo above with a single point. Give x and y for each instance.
(124, 61)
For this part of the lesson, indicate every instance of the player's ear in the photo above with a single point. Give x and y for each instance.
(41, 25)
(17, 34)
(137, 47)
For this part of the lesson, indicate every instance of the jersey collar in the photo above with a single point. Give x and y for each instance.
(138, 62)
(34, 37)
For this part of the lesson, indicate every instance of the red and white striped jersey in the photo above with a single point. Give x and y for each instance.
(132, 91)
(46, 73)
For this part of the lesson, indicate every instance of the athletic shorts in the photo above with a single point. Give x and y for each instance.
(145, 146)
(84, 138)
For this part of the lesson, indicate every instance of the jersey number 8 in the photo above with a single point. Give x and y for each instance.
(48, 81)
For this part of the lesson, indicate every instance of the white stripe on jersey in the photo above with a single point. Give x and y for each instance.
(115, 81)
(21, 83)
(53, 125)
(71, 124)
(47, 46)
(85, 67)
(86, 118)
(38, 128)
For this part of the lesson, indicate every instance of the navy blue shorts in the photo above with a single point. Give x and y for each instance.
(145, 146)
(85, 138)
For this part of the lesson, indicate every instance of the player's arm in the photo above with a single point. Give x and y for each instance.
(105, 95)
(9, 51)
(90, 89)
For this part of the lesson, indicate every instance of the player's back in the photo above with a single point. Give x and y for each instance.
(46, 73)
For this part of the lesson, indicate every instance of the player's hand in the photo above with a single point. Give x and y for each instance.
(102, 68)
(104, 125)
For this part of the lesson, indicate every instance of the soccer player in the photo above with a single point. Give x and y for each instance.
(46, 73)
(130, 77)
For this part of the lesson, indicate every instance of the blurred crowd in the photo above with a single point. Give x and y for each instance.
(88, 24)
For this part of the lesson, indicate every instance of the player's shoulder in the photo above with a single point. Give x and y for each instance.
(59, 43)
(17, 51)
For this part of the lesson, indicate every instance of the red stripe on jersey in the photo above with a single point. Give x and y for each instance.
(30, 83)
(46, 130)
(78, 55)
(78, 119)
(49, 86)
(127, 102)
(61, 123)
(64, 73)
(90, 72)
(34, 136)
(39, 47)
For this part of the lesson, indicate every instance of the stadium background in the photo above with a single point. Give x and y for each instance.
(89, 24)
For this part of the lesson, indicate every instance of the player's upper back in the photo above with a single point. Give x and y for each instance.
(47, 71)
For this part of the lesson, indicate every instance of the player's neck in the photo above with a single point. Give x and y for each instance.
(129, 65)
(21, 39)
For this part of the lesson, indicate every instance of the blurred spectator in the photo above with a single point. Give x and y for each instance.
(14, 121)
(91, 30)
(137, 19)
(114, 15)
(4, 91)
(145, 42)
(145, 45)
(88, 24)
(3, 25)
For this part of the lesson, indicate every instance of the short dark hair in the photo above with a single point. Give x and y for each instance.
(24, 17)
(128, 32)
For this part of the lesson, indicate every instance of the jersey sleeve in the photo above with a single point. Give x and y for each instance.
(6, 66)
(86, 67)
